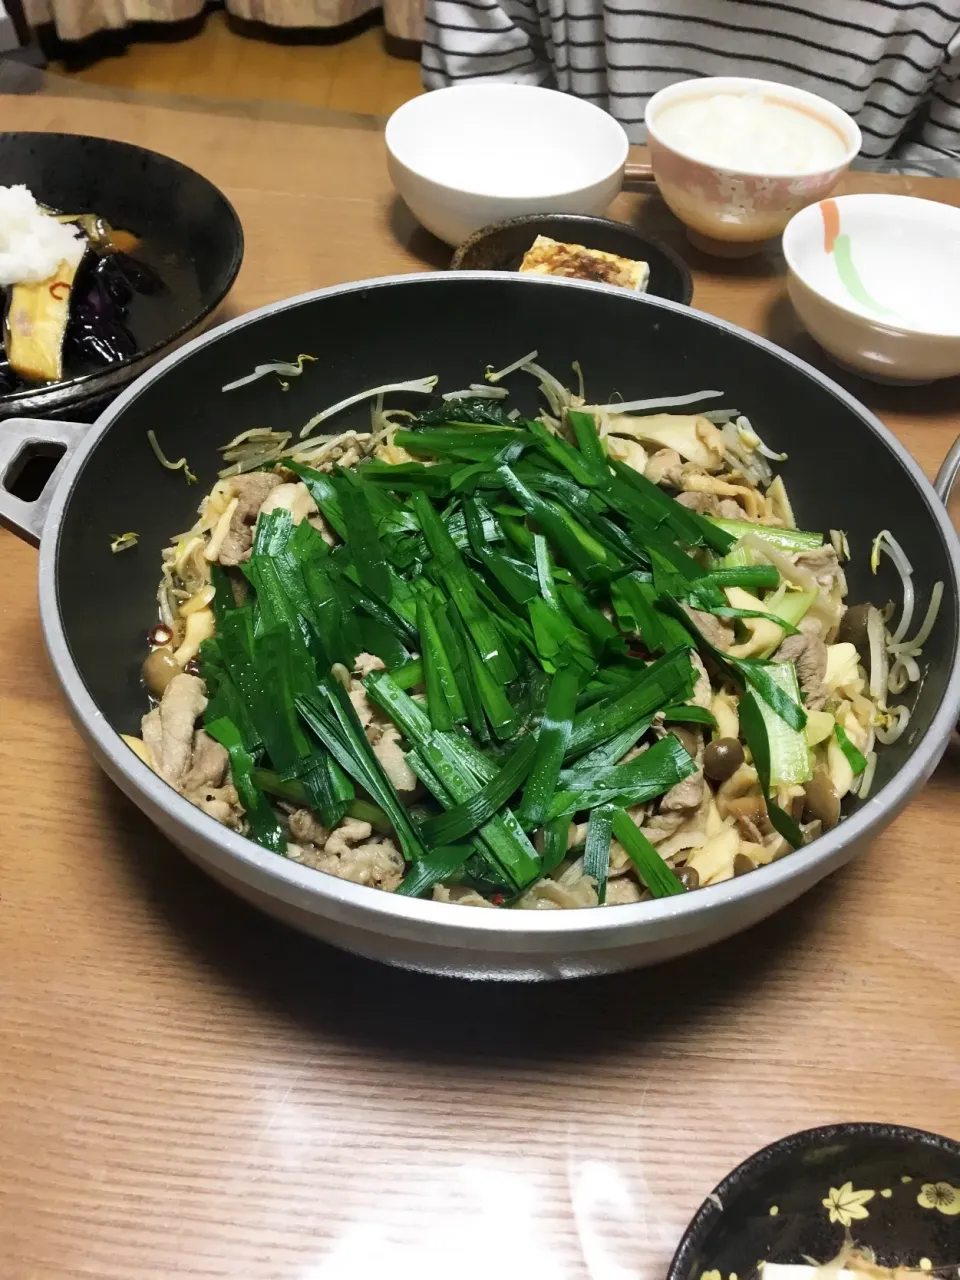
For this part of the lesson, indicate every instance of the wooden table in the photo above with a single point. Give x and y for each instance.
(187, 1089)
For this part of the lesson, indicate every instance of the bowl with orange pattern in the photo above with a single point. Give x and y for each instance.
(735, 157)
(875, 279)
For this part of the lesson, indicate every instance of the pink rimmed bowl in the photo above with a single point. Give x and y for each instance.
(734, 211)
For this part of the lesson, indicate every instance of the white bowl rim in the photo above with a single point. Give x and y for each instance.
(786, 92)
(588, 109)
(904, 204)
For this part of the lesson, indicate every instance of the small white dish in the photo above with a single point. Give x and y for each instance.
(733, 210)
(470, 155)
(876, 280)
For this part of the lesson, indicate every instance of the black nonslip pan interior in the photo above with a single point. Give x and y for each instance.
(843, 472)
(190, 232)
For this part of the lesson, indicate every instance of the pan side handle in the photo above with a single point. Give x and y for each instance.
(22, 439)
(949, 470)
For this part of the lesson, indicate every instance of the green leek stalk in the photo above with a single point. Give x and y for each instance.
(788, 540)
(754, 726)
(789, 753)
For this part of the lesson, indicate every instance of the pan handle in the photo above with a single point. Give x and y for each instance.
(949, 470)
(21, 439)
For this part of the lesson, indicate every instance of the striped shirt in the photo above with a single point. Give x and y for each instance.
(894, 65)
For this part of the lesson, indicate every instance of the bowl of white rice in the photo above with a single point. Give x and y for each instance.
(735, 158)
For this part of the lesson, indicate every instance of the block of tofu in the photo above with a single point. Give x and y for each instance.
(547, 257)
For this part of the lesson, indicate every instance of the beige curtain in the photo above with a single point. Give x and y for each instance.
(77, 19)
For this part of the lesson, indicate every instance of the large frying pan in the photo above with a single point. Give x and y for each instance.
(845, 470)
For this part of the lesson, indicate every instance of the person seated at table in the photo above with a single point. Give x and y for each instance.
(894, 65)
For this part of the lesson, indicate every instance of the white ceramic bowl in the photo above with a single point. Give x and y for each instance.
(876, 280)
(474, 154)
(734, 210)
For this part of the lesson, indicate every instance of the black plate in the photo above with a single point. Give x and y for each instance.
(191, 234)
(501, 246)
(892, 1190)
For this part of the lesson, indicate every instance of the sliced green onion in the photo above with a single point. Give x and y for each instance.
(792, 607)
(556, 835)
(439, 864)
(754, 728)
(443, 697)
(668, 680)
(855, 758)
(748, 671)
(651, 868)
(366, 553)
(335, 723)
(596, 857)
(588, 441)
(492, 796)
(647, 776)
(612, 751)
(501, 834)
(689, 714)
(551, 746)
(548, 588)
(789, 753)
(752, 577)
(758, 674)
(262, 821)
(584, 468)
(409, 675)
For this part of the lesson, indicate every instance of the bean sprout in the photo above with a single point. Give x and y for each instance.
(742, 455)
(750, 438)
(838, 540)
(180, 465)
(495, 376)
(422, 386)
(886, 542)
(476, 392)
(557, 395)
(914, 646)
(253, 449)
(866, 782)
(660, 402)
(887, 733)
(274, 366)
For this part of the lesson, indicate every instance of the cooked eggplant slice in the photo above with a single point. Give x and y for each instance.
(36, 323)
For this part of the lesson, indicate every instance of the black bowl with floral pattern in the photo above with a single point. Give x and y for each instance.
(891, 1193)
